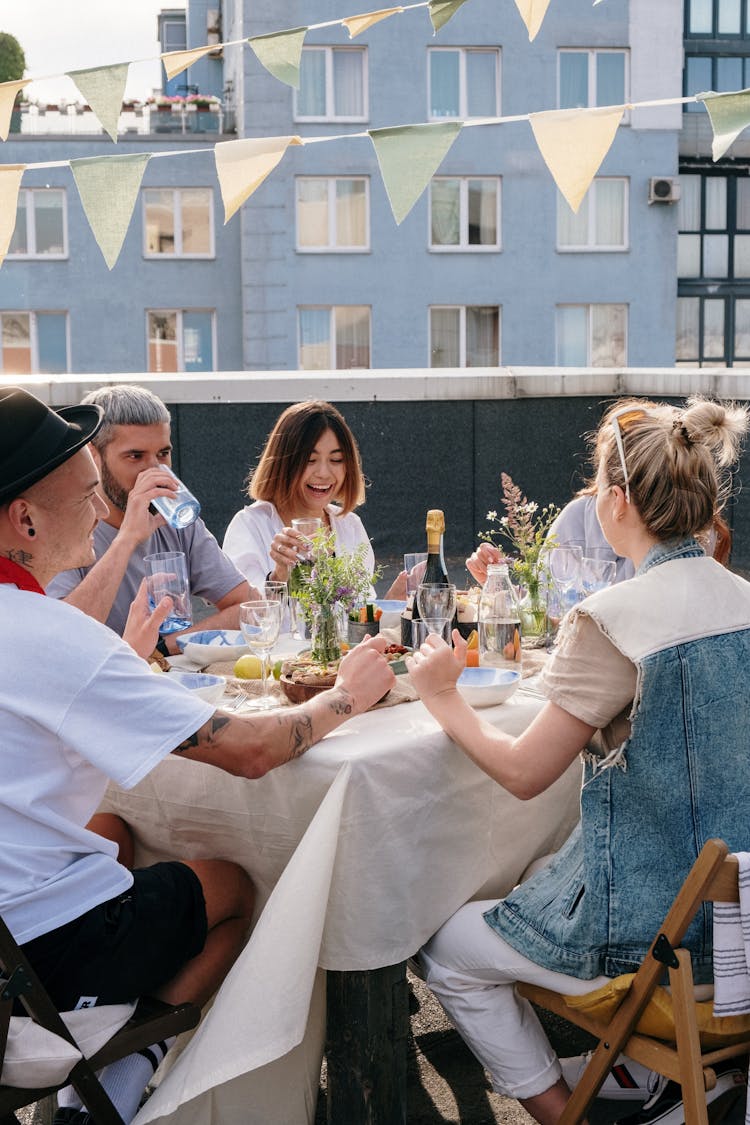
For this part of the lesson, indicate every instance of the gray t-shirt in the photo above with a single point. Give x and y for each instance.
(212, 574)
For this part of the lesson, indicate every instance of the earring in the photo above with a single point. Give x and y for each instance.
(32, 533)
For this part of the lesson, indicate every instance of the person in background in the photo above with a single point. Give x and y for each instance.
(132, 450)
(658, 668)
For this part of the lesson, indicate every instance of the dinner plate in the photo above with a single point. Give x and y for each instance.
(212, 644)
(485, 687)
(210, 688)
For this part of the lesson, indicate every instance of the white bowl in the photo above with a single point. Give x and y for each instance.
(210, 688)
(485, 687)
(212, 644)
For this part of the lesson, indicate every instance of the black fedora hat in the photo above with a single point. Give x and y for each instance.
(34, 439)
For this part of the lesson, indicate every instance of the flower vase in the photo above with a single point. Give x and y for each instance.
(324, 634)
(534, 624)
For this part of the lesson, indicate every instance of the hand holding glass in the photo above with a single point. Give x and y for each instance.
(167, 574)
(306, 528)
(260, 623)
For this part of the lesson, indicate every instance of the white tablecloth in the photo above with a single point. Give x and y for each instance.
(410, 831)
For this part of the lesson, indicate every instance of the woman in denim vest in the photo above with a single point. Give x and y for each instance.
(655, 671)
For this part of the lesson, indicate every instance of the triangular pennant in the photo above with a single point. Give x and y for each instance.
(730, 114)
(108, 187)
(10, 182)
(573, 143)
(243, 165)
(177, 61)
(355, 25)
(103, 88)
(8, 91)
(408, 156)
(532, 14)
(442, 10)
(280, 53)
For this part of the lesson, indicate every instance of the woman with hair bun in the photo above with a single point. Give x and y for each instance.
(649, 682)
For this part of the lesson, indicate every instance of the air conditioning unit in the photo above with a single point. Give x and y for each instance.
(663, 189)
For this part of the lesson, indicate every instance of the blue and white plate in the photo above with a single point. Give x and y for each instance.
(486, 687)
(212, 644)
(210, 688)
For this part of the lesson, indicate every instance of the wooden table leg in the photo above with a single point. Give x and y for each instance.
(366, 1038)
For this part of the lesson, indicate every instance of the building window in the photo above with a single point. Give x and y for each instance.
(591, 335)
(464, 336)
(41, 224)
(710, 72)
(334, 337)
(181, 340)
(601, 222)
(464, 82)
(713, 19)
(333, 84)
(333, 213)
(592, 78)
(717, 46)
(178, 223)
(465, 213)
(34, 343)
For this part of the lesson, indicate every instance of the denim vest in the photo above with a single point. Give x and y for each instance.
(681, 777)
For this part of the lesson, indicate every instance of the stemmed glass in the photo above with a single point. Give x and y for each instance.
(597, 574)
(279, 591)
(564, 565)
(436, 601)
(260, 623)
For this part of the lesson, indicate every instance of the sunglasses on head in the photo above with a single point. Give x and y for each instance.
(619, 420)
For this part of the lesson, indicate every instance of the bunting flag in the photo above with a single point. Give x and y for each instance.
(177, 61)
(10, 183)
(243, 165)
(8, 92)
(355, 25)
(280, 53)
(573, 143)
(108, 187)
(103, 87)
(532, 14)
(730, 114)
(442, 10)
(409, 156)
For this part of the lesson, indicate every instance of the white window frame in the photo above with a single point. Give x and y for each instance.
(591, 247)
(464, 246)
(331, 309)
(588, 307)
(463, 114)
(30, 195)
(34, 336)
(329, 114)
(593, 53)
(177, 193)
(462, 332)
(332, 246)
(180, 335)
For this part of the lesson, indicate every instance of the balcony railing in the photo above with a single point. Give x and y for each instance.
(75, 120)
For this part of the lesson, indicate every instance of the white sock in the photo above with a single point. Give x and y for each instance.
(627, 1079)
(124, 1081)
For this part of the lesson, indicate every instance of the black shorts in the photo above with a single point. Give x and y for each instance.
(127, 947)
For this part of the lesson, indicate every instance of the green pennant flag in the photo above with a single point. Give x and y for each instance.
(730, 114)
(409, 156)
(280, 53)
(103, 88)
(442, 10)
(108, 187)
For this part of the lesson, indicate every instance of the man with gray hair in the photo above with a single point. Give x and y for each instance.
(131, 451)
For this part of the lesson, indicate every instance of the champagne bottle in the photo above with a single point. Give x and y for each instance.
(435, 570)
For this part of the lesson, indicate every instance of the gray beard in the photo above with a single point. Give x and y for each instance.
(112, 490)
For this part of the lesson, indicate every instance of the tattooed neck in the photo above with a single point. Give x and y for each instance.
(23, 558)
(205, 736)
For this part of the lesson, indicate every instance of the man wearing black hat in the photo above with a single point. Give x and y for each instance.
(77, 707)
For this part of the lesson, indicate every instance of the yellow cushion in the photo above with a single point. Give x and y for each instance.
(658, 1019)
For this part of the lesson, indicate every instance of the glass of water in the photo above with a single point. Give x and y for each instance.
(260, 623)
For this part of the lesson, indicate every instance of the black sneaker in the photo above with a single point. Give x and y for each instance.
(68, 1116)
(665, 1107)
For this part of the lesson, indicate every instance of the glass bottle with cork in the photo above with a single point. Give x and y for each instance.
(435, 571)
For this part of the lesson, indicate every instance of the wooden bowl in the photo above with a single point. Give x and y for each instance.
(300, 693)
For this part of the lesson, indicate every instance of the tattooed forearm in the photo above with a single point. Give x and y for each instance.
(341, 703)
(205, 736)
(300, 735)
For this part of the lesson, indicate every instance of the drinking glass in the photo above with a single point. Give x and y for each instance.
(596, 574)
(436, 599)
(260, 623)
(306, 527)
(414, 565)
(564, 564)
(420, 630)
(167, 573)
(279, 592)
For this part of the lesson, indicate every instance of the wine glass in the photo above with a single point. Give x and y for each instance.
(436, 600)
(279, 592)
(564, 564)
(260, 623)
(597, 574)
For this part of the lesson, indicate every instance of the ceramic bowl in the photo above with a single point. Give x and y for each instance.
(485, 687)
(212, 644)
(210, 688)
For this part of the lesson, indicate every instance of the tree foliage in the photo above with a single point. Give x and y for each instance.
(12, 58)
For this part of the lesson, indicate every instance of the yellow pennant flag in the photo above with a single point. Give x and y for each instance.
(108, 187)
(730, 114)
(573, 143)
(408, 156)
(280, 53)
(355, 25)
(177, 61)
(243, 165)
(8, 91)
(442, 10)
(10, 182)
(532, 14)
(103, 88)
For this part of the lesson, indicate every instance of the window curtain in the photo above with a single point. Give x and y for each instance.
(351, 225)
(16, 343)
(608, 324)
(352, 337)
(482, 213)
(315, 339)
(482, 337)
(688, 314)
(445, 337)
(311, 98)
(574, 79)
(197, 341)
(312, 212)
(481, 83)
(444, 84)
(19, 240)
(348, 91)
(445, 212)
(610, 212)
(52, 343)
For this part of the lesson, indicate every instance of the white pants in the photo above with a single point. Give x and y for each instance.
(472, 971)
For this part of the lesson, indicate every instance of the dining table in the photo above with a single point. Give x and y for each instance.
(359, 850)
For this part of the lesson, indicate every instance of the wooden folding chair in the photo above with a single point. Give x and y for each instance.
(712, 878)
(151, 1022)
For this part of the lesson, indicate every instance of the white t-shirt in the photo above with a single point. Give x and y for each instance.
(248, 538)
(77, 707)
